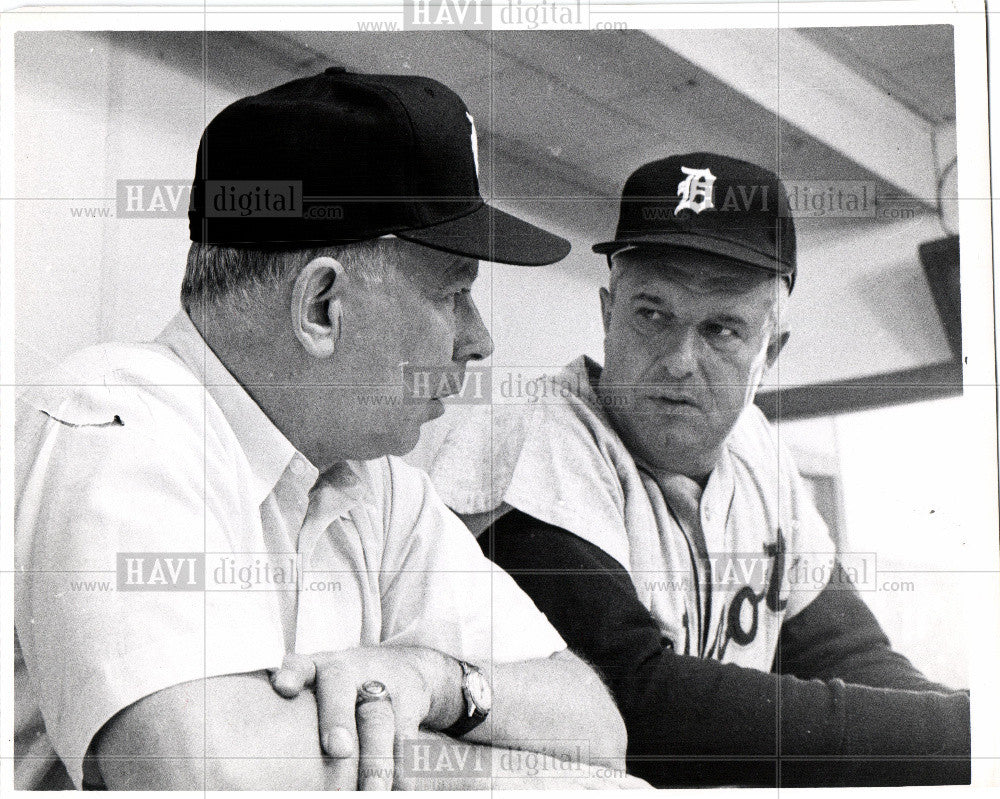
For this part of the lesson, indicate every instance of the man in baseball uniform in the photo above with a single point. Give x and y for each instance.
(650, 510)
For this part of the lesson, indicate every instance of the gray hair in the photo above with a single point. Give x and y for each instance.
(238, 274)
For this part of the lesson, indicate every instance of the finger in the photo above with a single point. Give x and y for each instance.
(404, 752)
(336, 693)
(376, 726)
(342, 768)
(296, 672)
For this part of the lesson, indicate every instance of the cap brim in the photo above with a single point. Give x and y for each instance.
(701, 243)
(489, 234)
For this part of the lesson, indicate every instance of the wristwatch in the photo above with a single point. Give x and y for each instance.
(478, 698)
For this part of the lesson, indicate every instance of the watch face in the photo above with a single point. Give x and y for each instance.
(480, 691)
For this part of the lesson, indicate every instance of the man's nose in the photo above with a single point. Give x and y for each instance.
(679, 353)
(473, 341)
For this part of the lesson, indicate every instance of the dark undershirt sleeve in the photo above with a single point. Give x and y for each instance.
(837, 637)
(700, 722)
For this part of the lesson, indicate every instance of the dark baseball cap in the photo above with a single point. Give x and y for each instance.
(709, 203)
(342, 157)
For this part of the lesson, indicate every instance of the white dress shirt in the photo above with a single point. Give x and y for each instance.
(167, 531)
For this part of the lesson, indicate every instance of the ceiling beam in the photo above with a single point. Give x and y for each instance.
(792, 77)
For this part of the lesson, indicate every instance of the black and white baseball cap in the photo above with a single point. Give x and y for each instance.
(369, 155)
(708, 203)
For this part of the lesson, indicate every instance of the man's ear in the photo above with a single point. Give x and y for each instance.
(606, 301)
(775, 346)
(317, 311)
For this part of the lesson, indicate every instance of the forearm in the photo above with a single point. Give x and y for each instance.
(823, 732)
(838, 637)
(224, 733)
(535, 702)
(681, 710)
(435, 762)
(559, 700)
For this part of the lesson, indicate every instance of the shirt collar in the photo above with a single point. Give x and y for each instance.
(718, 490)
(265, 446)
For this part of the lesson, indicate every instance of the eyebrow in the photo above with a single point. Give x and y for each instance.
(731, 320)
(724, 318)
(458, 274)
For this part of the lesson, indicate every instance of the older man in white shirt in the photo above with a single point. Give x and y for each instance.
(238, 477)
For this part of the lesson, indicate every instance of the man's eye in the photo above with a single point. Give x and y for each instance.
(650, 314)
(723, 334)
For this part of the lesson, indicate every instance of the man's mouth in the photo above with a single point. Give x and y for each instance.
(673, 399)
(454, 388)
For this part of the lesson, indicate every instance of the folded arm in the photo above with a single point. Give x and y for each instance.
(236, 733)
(222, 733)
(554, 703)
(838, 637)
(559, 699)
(680, 710)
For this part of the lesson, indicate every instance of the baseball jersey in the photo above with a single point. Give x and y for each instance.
(719, 570)
(167, 531)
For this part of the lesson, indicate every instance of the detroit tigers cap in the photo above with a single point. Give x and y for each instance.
(342, 157)
(708, 203)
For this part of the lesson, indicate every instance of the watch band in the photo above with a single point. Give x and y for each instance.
(472, 715)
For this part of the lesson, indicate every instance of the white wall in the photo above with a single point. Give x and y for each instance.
(920, 490)
(543, 318)
(89, 113)
(919, 494)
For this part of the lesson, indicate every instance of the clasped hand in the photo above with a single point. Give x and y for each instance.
(362, 740)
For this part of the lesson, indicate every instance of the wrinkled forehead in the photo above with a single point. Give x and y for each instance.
(699, 272)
